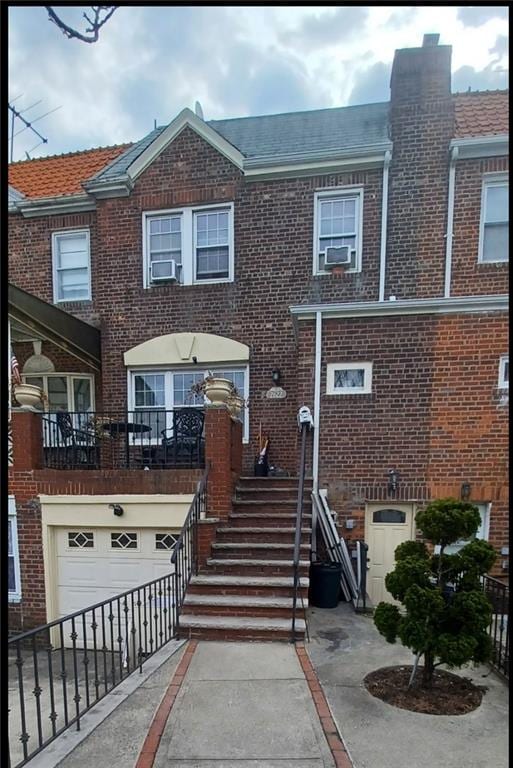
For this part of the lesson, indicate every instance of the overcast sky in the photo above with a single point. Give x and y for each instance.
(150, 62)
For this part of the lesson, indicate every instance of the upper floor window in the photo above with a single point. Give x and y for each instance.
(189, 245)
(494, 229)
(71, 265)
(338, 222)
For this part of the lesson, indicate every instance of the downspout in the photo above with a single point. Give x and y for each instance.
(384, 211)
(317, 400)
(450, 220)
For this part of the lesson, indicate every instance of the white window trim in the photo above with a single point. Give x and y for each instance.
(502, 365)
(15, 596)
(333, 192)
(330, 379)
(488, 180)
(70, 377)
(168, 388)
(55, 236)
(482, 532)
(188, 276)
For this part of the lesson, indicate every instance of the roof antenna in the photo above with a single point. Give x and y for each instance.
(198, 110)
(154, 123)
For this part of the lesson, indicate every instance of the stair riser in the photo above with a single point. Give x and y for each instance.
(234, 537)
(256, 520)
(271, 482)
(257, 553)
(203, 589)
(232, 635)
(268, 496)
(255, 570)
(230, 610)
(269, 507)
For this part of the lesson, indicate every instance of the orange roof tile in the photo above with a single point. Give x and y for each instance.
(481, 113)
(60, 174)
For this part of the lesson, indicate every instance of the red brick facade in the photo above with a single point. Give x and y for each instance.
(434, 414)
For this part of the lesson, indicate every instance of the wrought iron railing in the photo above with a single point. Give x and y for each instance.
(137, 439)
(185, 557)
(297, 539)
(498, 594)
(58, 671)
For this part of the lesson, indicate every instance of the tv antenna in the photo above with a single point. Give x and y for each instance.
(18, 114)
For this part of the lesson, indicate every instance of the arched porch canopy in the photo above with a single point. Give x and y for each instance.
(174, 349)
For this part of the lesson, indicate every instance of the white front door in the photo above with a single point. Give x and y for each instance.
(386, 526)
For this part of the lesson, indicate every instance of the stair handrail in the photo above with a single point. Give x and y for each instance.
(305, 422)
(185, 556)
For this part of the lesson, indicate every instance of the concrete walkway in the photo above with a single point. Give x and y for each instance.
(344, 648)
(244, 704)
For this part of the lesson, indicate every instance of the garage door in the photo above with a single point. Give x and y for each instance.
(94, 564)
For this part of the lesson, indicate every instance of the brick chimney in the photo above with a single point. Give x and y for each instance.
(421, 127)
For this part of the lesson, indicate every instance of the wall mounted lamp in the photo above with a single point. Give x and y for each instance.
(276, 376)
(393, 480)
(465, 491)
(117, 509)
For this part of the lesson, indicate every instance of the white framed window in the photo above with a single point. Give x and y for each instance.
(153, 392)
(494, 224)
(348, 378)
(71, 259)
(338, 220)
(504, 372)
(481, 533)
(13, 556)
(188, 245)
(65, 391)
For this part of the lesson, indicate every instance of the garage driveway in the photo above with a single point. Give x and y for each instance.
(344, 648)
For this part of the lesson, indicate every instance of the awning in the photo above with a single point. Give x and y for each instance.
(31, 317)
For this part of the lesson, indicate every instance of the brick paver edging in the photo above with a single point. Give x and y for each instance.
(151, 743)
(333, 737)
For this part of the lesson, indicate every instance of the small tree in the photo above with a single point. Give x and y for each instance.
(445, 612)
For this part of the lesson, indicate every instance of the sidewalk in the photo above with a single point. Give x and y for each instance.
(345, 647)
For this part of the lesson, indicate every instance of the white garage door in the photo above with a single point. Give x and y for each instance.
(95, 564)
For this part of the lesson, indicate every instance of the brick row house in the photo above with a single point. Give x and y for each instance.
(351, 259)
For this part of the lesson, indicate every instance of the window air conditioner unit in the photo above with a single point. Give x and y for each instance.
(161, 271)
(337, 256)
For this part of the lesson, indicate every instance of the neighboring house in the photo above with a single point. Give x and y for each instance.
(204, 246)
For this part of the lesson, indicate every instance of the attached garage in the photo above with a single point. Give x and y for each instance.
(91, 554)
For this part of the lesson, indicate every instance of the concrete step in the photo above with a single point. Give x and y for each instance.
(268, 494)
(252, 550)
(261, 534)
(265, 519)
(276, 586)
(269, 507)
(206, 627)
(256, 567)
(271, 482)
(240, 605)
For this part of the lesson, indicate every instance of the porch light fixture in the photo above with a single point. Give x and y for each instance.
(117, 509)
(393, 480)
(276, 376)
(466, 489)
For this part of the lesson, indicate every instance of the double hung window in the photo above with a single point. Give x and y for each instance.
(71, 266)
(13, 558)
(188, 245)
(494, 229)
(338, 221)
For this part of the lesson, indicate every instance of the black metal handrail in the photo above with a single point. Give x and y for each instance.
(71, 663)
(143, 438)
(185, 557)
(498, 594)
(299, 524)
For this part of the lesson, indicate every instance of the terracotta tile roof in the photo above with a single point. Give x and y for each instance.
(481, 113)
(60, 174)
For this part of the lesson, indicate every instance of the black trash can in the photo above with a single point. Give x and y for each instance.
(325, 584)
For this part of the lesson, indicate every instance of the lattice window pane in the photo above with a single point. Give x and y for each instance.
(80, 539)
(123, 540)
(165, 540)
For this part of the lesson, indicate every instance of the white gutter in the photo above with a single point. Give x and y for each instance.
(317, 401)
(482, 146)
(450, 219)
(384, 210)
(499, 302)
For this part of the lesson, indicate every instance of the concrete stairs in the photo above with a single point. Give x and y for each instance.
(245, 591)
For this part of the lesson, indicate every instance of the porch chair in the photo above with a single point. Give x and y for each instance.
(184, 444)
(79, 446)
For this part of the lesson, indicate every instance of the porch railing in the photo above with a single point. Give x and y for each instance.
(58, 671)
(498, 594)
(136, 439)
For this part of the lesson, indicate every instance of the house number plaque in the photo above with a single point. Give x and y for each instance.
(275, 393)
